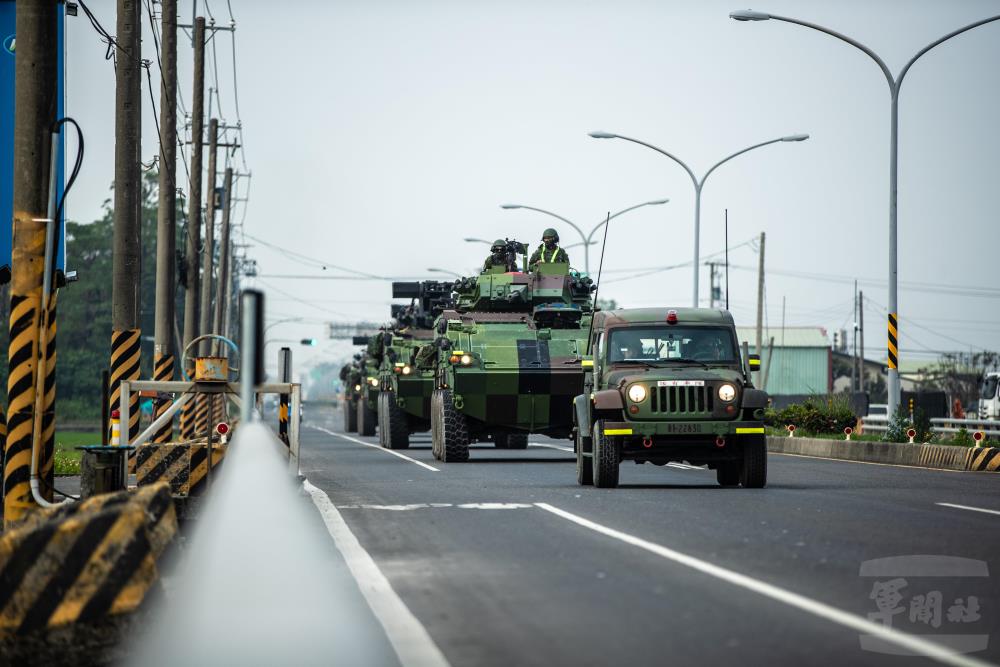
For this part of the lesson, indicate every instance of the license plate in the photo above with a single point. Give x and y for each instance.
(680, 383)
(683, 428)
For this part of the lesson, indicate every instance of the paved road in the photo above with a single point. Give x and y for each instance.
(505, 560)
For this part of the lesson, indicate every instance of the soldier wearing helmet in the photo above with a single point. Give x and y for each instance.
(498, 256)
(549, 251)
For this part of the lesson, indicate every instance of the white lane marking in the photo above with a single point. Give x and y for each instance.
(561, 448)
(409, 638)
(967, 507)
(822, 610)
(381, 449)
(422, 506)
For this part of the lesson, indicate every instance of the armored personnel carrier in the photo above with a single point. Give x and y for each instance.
(508, 356)
(406, 375)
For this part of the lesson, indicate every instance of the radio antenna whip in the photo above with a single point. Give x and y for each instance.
(600, 268)
(727, 259)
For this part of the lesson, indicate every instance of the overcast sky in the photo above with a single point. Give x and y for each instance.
(380, 134)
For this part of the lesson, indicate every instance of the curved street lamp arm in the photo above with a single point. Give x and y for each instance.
(930, 46)
(612, 217)
(558, 217)
(737, 153)
(694, 179)
(844, 38)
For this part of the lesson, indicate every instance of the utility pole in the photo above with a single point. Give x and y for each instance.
(166, 213)
(222, 295)
(194, 209)
(854, 345)
(125, 262)
(760, 299)
(861, 327)
(208, 249)
(34, 114)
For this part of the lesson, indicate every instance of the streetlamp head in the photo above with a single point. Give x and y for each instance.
(597, 134)
(795, 137)
(748, 15)
(657, 202)
(510, 206)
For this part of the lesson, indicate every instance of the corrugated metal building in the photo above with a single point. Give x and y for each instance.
(801, 362)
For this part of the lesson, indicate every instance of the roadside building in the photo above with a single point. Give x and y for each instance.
(800, 363)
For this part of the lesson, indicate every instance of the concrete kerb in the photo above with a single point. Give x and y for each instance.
(942, 457)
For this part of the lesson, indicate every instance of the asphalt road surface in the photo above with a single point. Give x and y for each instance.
(504, 560)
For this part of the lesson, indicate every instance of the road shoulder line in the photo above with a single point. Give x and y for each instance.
(409, 638)
(969, 508)
(820, 609)
(373, 446)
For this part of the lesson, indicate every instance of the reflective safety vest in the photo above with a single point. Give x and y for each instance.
(552, 257)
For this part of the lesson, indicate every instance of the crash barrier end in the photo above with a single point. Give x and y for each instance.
(182, 465)
(83, 562)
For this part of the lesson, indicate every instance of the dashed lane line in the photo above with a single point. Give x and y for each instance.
(373, 446)
(409, 638)
(890, 635)
(422, 506)
(967, 507)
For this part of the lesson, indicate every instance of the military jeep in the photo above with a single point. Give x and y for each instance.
(669, 385)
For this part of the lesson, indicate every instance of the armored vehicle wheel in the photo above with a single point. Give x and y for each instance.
(380, 418)
(584, 469)
(453, 443)
(728, 473)
(394, 429)
(754, 471)
(350, 417)
(606, 458)
(500, 440)
(366, 419)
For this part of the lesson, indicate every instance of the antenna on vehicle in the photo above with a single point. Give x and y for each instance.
(600, 267)
(727, 259)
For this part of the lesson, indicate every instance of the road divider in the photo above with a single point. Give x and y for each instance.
(940, 457)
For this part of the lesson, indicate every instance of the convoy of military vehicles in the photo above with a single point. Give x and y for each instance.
(519, 350)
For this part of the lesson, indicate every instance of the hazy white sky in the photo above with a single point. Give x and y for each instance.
(380, 134)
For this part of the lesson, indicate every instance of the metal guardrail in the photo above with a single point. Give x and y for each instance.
(878, 423)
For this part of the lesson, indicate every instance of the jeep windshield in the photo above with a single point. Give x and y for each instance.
(668, 344)
(989, 388)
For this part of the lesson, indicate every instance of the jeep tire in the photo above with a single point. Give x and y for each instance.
(753, 474)
(584, 468)
(605, 459)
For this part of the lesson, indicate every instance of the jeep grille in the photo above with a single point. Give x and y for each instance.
(692, 401)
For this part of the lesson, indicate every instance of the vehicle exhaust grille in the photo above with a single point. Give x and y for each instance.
(691, 401)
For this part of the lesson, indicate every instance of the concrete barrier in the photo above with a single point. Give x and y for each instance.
(943, 457)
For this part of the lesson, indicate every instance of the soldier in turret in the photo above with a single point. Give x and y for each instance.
(498, 255)
(549, 251)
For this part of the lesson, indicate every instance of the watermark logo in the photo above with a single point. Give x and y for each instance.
(931, 596)
(8, 43)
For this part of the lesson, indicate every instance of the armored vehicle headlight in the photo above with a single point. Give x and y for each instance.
(727, 392)
(407, 370)
(357, 387)
(637, 393)
(466, 359)
(373, 382)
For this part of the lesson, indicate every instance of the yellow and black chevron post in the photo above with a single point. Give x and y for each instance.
(163, 371)
(187, 419)
(201, 415)
(984, 459)
(46, 459)
(893, 342)
(125, 353)
(22, 361)
(85, 561)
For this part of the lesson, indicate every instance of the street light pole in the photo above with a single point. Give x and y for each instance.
(894, 85)
(698, 184)
(586, 238)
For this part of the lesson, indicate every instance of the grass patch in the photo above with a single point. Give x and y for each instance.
(67, 457)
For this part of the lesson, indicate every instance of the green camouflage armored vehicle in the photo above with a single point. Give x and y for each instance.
(368, 368)
(406, 374)
(508, 357)
(350, 377)
(669, 385)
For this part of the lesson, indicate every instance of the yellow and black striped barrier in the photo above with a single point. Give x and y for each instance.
(125, 356)
(83, 562)
(22, 360)
(893, 342)
(181, 465)
(984, 459)
(163, 371)
(46, 460)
